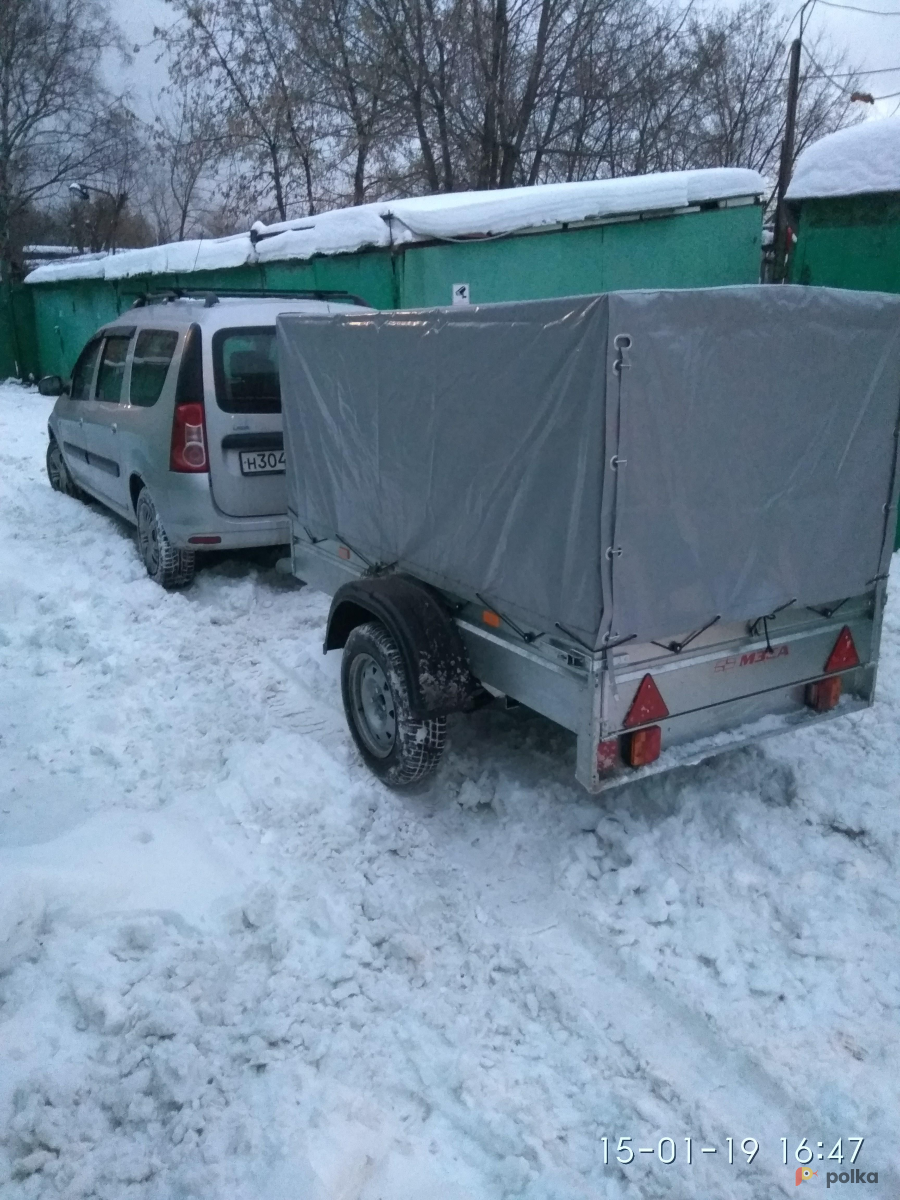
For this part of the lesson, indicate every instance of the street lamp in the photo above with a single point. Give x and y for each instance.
(82, 191)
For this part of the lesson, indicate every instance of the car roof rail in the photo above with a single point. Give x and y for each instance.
(211, 297)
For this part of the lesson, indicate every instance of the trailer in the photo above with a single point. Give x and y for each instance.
(662, 519)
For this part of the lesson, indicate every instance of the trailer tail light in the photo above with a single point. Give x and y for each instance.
(188, 452)
(844, 655)
(643, 746)
(647, 705)
(824, 694)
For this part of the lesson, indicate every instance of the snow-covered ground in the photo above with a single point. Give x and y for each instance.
(232, 965)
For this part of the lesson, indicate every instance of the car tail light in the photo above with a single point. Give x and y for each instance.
(188, 453)
(189, 439)
(643, 746)
(843, 656)
(647, 705)
(824, 694)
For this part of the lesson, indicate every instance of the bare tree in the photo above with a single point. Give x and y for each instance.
(340, 101)
(741, 58)
(188, 144)
(54, 114)
(265, 104)
(108, 201)
(424, 40)
(347, 54)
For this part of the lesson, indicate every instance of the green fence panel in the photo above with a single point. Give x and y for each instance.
(66, 314)
(712, 247)
(849, 242)
(706, 249)
(18, 334)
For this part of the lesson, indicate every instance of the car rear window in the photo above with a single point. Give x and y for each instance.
(246, 370)
(152, 357)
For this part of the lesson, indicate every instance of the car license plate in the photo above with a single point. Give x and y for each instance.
(262, 462)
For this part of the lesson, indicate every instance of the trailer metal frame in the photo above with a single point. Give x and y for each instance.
(733, 685)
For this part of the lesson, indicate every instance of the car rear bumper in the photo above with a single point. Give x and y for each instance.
(188, 510)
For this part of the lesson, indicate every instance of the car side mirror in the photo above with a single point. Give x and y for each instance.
(51, 385)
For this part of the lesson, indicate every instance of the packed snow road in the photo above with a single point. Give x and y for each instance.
(233, 965)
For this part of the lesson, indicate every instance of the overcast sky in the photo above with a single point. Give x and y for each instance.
(872, 42)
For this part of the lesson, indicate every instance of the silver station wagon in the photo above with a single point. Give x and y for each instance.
(172, 418)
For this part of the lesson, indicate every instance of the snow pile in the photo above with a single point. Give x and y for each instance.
(461, 214)
(469, 213)
(851, 162)
(233, 965)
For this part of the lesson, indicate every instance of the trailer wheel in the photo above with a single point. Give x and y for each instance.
(396, 746)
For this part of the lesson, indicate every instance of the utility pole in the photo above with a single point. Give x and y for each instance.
(787, 157)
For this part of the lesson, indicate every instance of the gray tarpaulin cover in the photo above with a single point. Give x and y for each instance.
(753, 429)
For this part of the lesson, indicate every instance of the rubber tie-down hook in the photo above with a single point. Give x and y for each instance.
(621, 342)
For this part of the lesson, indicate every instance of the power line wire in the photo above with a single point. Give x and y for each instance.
(851, 74)
(863, 71)
(872, 12)
(824, 75)
(832, 79)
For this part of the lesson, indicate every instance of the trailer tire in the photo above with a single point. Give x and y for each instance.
(396, 746)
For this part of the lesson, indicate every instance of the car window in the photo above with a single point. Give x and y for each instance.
(112, 369)
(153, 352)
(246, 370)
(83, 375)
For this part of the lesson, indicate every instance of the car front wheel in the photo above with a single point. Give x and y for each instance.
(165, 563)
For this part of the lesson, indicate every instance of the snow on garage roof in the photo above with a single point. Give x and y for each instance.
(422, 218)
(851, 162)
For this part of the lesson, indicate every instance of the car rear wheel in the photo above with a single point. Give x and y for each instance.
(58, 473)
(398, 747)
(165, 563)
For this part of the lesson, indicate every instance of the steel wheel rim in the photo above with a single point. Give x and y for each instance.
(149, 538)
(373, 705)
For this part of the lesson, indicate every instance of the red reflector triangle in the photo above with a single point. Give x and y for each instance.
(647, 705)
(844, 653)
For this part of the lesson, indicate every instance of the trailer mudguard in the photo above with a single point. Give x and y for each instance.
(437, 668)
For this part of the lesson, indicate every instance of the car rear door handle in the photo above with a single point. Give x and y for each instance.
(114, 427)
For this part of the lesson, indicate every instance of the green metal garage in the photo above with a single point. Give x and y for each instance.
(845, 210)
(680, 229)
